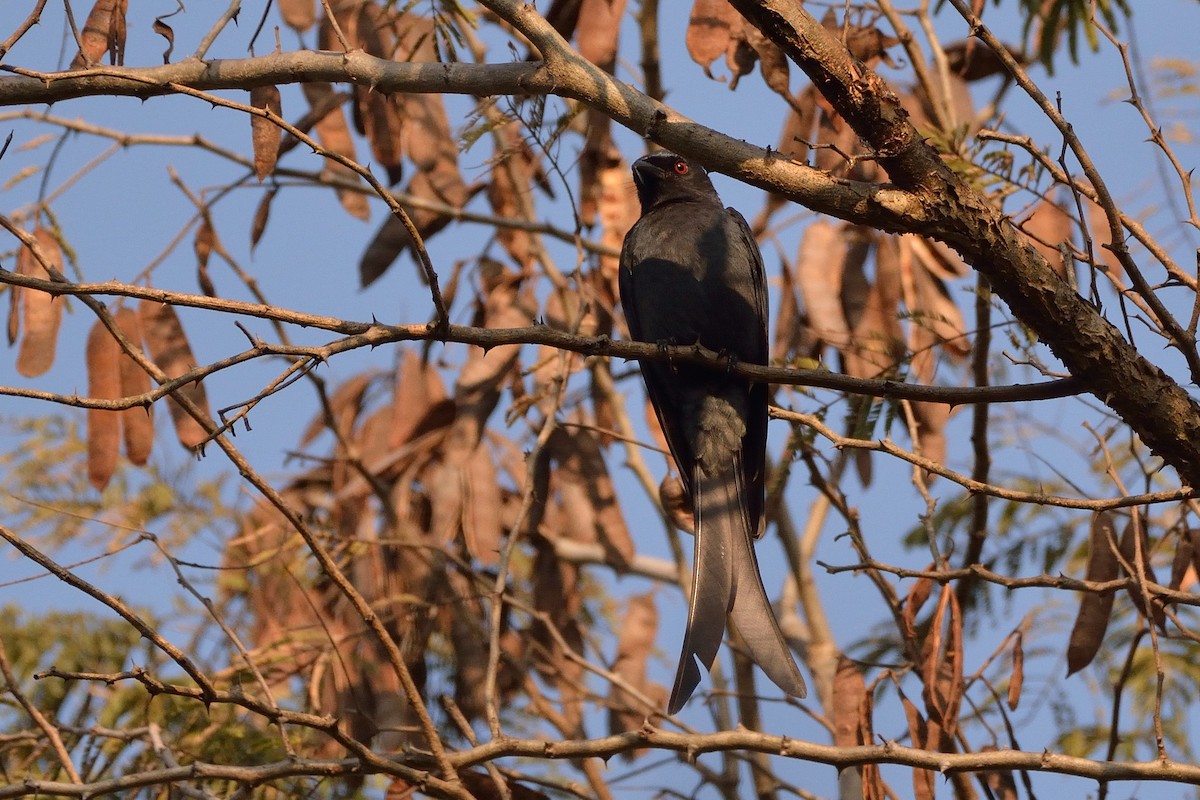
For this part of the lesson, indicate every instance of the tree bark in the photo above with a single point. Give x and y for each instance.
(1154, 405)
(926, 197)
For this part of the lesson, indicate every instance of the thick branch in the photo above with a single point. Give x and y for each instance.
(691, 743)
(568, 75)
(928, 199)
(1165, 416)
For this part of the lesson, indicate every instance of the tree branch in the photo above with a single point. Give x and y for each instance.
(1146, 398)
(972, 485)
(373, 334)
(933, 200)
(572, 77)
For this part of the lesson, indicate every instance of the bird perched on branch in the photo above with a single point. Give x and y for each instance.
(692, 272)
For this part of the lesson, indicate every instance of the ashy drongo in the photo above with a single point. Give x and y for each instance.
(692, 272)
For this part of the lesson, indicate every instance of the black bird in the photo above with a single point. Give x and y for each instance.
(691, 272)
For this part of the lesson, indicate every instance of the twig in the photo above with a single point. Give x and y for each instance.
(1181, 339)
(337, 28)
(39, 719)
(1135, 228)
(1114, 729)
(418, 243)
(1167, 594)
(31, 20)
(141, 626)
(230, 15)
(980, 426)
(365, 334)
(154, 731)
(272, 496)
(232, 636)
(929, 465)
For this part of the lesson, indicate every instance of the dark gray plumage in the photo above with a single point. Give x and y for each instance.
(691, 272)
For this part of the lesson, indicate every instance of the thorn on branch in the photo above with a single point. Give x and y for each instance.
(440, 327)
(658, 118)
(255, 342)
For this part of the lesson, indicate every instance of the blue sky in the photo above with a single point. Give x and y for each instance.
(125, 213)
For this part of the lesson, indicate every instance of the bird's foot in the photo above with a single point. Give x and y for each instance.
(730, 360)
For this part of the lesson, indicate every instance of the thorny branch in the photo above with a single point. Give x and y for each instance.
(1181, 339)
(1091, 348)
(924, 199)
(1088, 344)
(373, 334)
(605, 747)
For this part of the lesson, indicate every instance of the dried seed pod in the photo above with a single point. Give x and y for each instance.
(39, 313)
(1094, 609)
(137, 423)
(103, 426)
(265, 135)
(171, 352)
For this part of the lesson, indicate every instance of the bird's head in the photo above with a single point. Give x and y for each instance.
(665, 177)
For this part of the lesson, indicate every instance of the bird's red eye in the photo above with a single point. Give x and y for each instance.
(681, 168)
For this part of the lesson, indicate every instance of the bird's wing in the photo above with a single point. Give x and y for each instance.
(752, 614)
(712, 582)
(626, 289)
(754, 446)
(645, 287)
(758, 273)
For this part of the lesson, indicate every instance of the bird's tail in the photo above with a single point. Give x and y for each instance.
(717, 508)
(725, 580)
(755, 620)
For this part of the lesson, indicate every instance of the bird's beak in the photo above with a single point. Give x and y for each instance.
(644, 171)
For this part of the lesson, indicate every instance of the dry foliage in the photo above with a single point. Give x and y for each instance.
(266, 136)
(34, 316)
(333, 132)
(1095, 609)
(103, 32)
(635, 645)
(104, 427)
(454, 544)
(169, 349)
(300, 14)
(137, 422)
